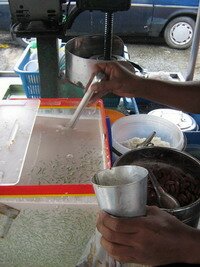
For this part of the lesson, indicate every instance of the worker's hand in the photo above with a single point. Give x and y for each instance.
(156, 239)
(119, 80)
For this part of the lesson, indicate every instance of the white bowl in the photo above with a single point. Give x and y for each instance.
(143, 125)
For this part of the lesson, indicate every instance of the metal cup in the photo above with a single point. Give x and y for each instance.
(122, 191)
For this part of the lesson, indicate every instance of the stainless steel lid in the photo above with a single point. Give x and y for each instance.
(184, 121)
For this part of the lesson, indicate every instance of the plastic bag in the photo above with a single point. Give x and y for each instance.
(95, 256)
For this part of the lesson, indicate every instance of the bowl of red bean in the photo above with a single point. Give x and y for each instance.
(177, 172)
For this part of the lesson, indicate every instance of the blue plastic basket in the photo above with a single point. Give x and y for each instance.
(30, 80)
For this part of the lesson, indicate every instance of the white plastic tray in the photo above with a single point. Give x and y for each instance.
(17, 118)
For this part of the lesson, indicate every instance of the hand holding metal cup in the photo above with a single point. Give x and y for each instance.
(122, 191)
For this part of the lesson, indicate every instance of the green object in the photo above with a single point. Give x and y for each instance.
(14, 91)
(33, 44)
(70, 90)
(111, 100)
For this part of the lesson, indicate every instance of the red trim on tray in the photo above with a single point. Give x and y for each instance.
(23, 190)
(62, 102)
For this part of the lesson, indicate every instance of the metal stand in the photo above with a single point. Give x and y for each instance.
(48, 66)
(108, 36)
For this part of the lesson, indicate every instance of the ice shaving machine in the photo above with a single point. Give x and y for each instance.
(50, 20)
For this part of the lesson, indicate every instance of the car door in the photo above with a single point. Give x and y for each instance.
(136, 20)
(88, 23)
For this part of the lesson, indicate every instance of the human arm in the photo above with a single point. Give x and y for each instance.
(121, 81)
(156, 239)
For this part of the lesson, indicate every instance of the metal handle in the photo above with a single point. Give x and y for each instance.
(147, 141)
(85, 100)
(155, 183)
(98, 78)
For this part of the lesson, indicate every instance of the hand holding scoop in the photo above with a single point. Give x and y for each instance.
(85, 100)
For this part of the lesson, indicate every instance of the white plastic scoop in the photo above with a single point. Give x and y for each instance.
(85, 100)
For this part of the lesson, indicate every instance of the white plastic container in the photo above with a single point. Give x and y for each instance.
(143, 125)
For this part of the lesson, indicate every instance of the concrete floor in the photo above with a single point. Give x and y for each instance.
(155, 57)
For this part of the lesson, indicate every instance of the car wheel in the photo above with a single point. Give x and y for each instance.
(179, 32)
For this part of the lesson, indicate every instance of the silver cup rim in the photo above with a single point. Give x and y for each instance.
(120, 185)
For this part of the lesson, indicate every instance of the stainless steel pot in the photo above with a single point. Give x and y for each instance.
(82, 53)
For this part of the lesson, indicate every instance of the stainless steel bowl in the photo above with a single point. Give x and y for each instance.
(83, 52)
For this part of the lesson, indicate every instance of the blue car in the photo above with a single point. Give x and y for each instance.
(174, 20)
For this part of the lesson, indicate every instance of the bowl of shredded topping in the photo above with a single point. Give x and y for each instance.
(129, 133)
